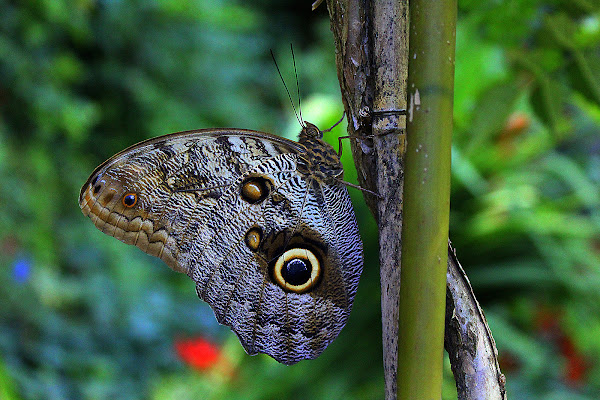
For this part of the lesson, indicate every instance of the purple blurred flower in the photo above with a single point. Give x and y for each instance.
(21, 271)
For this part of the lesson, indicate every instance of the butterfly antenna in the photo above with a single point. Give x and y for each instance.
(297, 84)
(286, 89)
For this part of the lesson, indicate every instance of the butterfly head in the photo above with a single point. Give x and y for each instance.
(310, 131)
(322, 161)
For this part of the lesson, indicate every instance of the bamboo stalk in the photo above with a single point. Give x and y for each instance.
(426, 198)
(357, 26)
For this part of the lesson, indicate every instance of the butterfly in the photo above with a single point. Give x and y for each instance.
(263, 225)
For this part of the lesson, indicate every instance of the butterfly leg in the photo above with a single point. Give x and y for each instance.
(361, 188)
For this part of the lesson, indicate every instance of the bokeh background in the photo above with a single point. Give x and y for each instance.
(83, 316)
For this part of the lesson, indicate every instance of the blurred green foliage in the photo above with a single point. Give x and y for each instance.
(84, 316)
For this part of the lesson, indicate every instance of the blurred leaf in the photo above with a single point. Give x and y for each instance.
(493, 109)
(7, 390)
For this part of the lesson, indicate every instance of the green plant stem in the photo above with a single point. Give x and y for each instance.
(426, 198)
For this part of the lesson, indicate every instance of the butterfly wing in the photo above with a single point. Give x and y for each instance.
(275, 253)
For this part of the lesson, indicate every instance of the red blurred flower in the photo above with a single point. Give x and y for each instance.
(548, 323)
(509, 362)
(516, 124)
(198, 353)
(577, 366)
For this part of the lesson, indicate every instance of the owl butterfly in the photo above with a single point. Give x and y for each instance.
(263, 225)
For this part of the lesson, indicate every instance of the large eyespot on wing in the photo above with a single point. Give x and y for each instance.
(297, 270)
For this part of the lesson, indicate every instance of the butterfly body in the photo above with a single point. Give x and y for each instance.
(263, 225)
